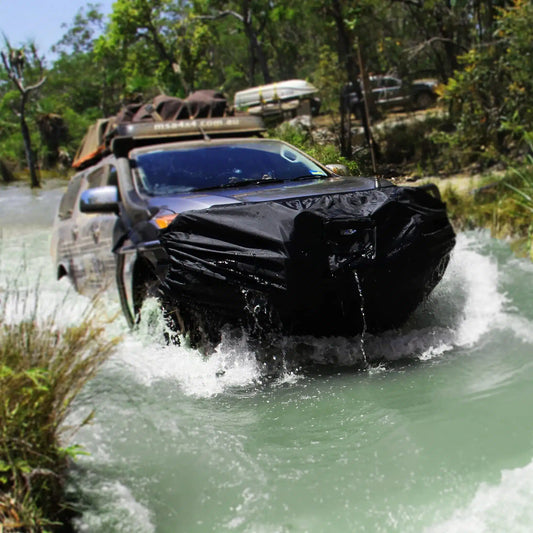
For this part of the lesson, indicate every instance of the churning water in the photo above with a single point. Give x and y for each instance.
(435, 436)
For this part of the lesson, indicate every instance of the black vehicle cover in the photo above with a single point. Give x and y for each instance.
(301, 254)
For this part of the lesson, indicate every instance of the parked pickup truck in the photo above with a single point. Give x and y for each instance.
(389, 91)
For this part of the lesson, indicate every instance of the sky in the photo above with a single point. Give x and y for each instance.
(40, 20)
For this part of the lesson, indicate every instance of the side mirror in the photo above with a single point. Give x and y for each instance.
(100, 200)
(340, 170)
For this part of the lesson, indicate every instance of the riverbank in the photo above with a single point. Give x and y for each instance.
(488, 201)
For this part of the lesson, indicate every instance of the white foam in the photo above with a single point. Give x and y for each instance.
(232, 365)
(503, 507)
(467, 303)
(465, 307)
(117, 510)
(484, 304)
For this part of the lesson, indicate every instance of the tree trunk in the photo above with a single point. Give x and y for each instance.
(257, 53)
(345, 50)
(256, 50)
(27, 144)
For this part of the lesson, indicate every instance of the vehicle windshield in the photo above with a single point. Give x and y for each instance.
(174, 170)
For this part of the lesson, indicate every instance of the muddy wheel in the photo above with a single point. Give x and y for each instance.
(424, 100)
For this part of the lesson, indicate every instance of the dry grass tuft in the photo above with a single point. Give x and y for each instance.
(42, 369)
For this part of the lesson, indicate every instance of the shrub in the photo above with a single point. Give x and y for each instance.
(325, 153)
(411, 142)
(503, 204)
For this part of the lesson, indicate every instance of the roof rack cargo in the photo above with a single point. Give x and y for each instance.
(166, 119)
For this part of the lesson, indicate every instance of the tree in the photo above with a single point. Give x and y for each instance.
(22, 64)
(491, 97)
(146, 35)
(347, 21)
(252, 16)
(79, 80)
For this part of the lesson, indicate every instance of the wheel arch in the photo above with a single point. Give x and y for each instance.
(61, 271)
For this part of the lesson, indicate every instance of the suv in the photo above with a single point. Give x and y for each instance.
(225, 227)
(389, 91)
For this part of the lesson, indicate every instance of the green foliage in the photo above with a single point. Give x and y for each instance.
(328, 79)
(42, 369)
(326, 154)
(409, 144)
(491, 98)
(520, 183)
(148, 47)
(150, 38)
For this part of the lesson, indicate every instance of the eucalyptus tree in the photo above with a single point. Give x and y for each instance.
(25, 70)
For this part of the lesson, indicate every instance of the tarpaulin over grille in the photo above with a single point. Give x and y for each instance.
(301, 253)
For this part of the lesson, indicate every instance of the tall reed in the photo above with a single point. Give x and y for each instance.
(42, 369)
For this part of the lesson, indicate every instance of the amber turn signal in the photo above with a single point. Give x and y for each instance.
(165, 220)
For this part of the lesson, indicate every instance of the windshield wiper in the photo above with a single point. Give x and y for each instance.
(262, 181)
(244, 183)
(310, 177)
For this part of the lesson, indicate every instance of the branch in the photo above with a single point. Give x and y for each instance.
(15, 72)
(415, 50)
(36, 85)
(12, 76)
(222, 14)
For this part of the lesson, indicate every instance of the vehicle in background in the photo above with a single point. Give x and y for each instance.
(389, 92)
(279, 101)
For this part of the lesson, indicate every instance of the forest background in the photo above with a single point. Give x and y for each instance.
(481, 52)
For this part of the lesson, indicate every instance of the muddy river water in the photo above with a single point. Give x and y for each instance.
(436, 436)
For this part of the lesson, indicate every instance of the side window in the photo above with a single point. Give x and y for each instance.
(96, 178)
(69, 198)
(393, 82)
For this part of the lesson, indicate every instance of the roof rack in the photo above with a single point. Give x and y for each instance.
(198, 127)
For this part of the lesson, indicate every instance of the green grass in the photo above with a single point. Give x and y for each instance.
(42, 369)
(504, 205)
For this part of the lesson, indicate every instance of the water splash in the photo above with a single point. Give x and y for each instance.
(363, 318)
